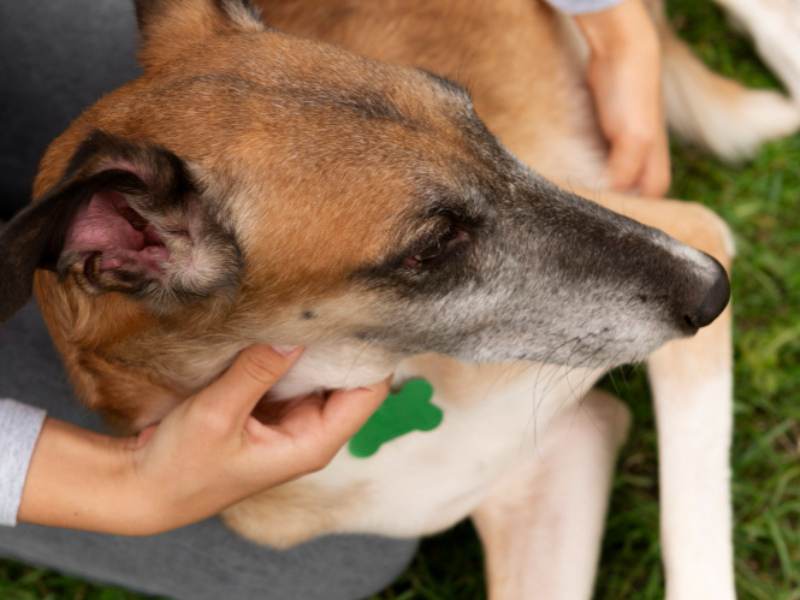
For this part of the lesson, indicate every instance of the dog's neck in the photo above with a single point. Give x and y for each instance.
(334, 366)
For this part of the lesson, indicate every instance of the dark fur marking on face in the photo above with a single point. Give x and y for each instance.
(454, 221)
(235, 12)
(145, 12)
(232, 7)
(453, 267)
(373, 105)
(33, 239)
(365, 103)
(362, 102)
(165, 172)
(308, 314)
(447, 83)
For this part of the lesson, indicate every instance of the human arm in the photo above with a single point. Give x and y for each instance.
(624, 74)
(207, 454)
(20, 426)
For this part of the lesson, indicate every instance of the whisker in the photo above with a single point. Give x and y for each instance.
(367, 344)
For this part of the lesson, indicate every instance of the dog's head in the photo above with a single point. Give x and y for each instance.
(253, 186)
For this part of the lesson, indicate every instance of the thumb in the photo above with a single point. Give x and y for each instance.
(655, 180)
(252, 374)
(625, 163)
(345, 412)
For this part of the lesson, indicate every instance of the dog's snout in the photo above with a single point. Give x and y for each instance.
(712, 301)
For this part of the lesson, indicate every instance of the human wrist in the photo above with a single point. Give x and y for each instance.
(80, 479)
(624, 30)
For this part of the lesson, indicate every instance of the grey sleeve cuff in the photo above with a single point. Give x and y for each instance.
(20, 425)
(579, 7)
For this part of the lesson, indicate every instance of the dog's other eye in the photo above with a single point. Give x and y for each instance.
(436, 250)
(431, 252)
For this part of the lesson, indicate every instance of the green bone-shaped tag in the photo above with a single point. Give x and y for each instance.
(401, 413)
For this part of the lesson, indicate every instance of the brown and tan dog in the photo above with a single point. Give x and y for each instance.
(256, 186)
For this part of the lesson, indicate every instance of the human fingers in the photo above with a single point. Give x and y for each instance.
(292, 417)
(656, 175)
(146, 434)
(626, 161)
(316, 429)
(336, 419)
(234, 395)
(345, 412)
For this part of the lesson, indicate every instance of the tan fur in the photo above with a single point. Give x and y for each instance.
(717, 113)
(286, 515)
(323, 257)
(524, 82)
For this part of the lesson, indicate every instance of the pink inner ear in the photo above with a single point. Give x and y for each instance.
(125, 240)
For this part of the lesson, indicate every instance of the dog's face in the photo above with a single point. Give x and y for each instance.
(252, 186)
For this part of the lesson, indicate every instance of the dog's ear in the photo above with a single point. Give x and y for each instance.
(171, 27)
(125, 218)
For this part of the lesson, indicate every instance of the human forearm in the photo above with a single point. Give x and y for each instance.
(77, 480)
(208, 453)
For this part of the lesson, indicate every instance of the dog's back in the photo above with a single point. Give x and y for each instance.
(524, 78)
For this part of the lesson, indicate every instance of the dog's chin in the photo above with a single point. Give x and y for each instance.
(325, 367)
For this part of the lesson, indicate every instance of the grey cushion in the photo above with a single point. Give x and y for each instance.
(57, 57)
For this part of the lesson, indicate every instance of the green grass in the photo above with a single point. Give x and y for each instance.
(760, 200)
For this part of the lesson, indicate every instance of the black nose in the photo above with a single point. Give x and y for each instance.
(713, 301)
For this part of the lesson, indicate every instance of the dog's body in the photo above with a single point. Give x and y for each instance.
(527, 481)
(433, 239)
(774, 26)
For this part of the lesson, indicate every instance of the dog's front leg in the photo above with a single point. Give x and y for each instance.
(541, 525)
(692, 389)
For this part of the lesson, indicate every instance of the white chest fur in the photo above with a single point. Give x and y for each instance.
(423, 482)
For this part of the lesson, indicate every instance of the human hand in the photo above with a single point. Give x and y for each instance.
(210, 452)
(206, 454)
(624, 75)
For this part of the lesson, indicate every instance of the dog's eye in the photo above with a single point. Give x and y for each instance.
(437, 249)
(431, 251)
